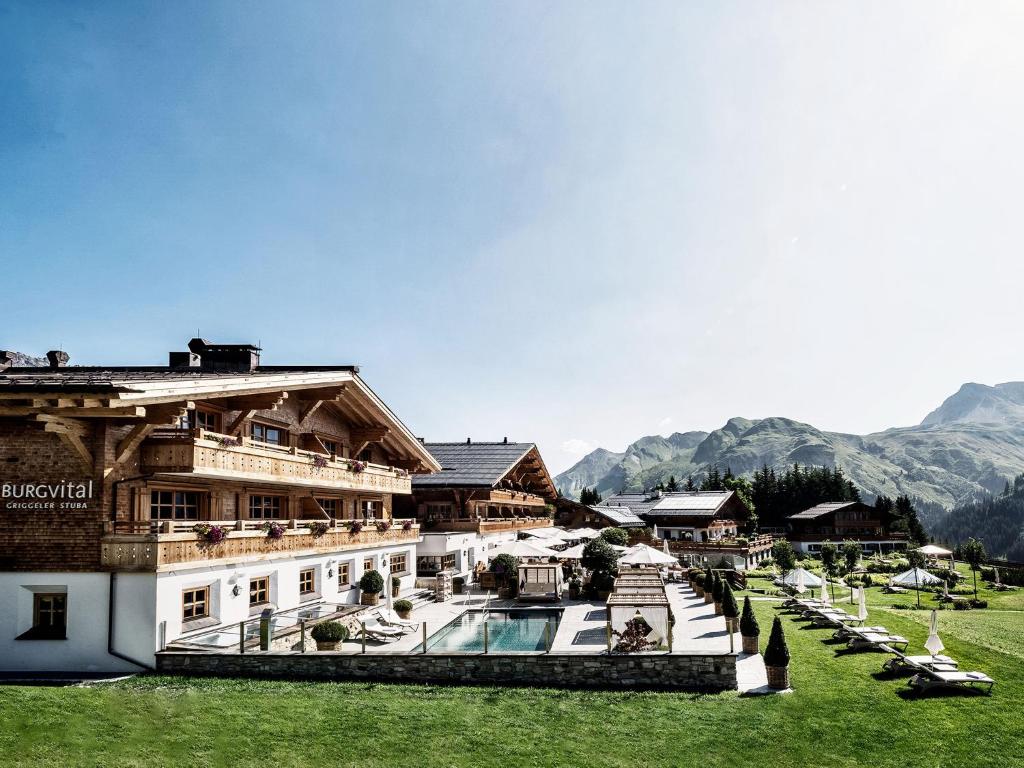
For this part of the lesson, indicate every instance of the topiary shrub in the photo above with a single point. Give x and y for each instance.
(403, 608)
(372, 583)
(330, 632)
(717, 589)
(748, 621)
(616, 536)
(777, 652)
(729, 608)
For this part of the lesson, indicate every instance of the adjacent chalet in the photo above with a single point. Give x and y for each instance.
(572, 514)
(144, 505)
(841, 521)
(701, 527)
(484, 495)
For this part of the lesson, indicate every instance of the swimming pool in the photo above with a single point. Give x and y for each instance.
(506, 631)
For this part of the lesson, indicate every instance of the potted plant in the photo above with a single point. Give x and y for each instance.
(697, 581)
(776, 657)
(272, 529)
(329, 634)
(506, 570)
(403, 608)
(730, 610)
(371, 584)
(382, 526)
(396, 585)
(356, 526)
(750, 631)
(318, 528)
(575, 586)
(709, 583)
(717, 592)
(210, 534)
(458, 584)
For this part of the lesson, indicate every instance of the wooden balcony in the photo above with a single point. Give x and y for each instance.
(495, 525)
(218, 457)
(737, 545)
(159, 546)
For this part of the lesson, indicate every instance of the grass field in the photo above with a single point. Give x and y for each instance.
(843, 713)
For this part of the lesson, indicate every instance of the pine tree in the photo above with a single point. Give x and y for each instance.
(689, 484)
(673, 485)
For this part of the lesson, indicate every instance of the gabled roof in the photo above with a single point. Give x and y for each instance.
(619, 516)
(825, 509)
(681, 503)
(481, 465)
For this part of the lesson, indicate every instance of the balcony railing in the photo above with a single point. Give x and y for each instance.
(754, 544)
(201, 452)
(491, 525)
(129, 545)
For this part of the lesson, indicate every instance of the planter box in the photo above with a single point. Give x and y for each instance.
(325, 645)
(778, 678)
(698, 590)
(718, 608)
(708, 598)
(404, 614)
(732, 626)
(750, 644)
(369, 599)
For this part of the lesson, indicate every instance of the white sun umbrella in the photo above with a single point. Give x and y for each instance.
(862, 605)
(387, 589)
(642, 554)
(915, 577)
(933, 643)
(824, 590)
(523, 549)
(995, 576)
(800, 577)
(586, 533)
(664, 547)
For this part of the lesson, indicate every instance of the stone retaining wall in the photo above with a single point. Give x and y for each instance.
(647, 671)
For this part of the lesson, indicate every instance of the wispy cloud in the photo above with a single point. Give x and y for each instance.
(577, 447)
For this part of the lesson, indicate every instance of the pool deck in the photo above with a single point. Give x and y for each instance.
(697, 630)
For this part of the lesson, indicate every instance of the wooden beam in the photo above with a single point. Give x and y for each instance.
(167, 413)
(308, 409)
(236, 426)
(270, 401)
(131, 441)
(73, 439)
(363, 436)
(80, 412)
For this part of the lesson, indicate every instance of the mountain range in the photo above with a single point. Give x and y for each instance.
(967, 447)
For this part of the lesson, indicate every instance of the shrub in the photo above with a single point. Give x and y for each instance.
(748, 621)
(777, 652)
(330, 632)
(403, 605)
(599, 557)
(729, 608)
(372, 583)
(633, 637)
(357, 526)
(272, 529)
(382, 525)
(318, 528)
(210, 534)
(616, 536)
(979, 603)
(783, 555)
(504, 565)
(698, 580)
(396, 582)
(718, 589)
(962, 605)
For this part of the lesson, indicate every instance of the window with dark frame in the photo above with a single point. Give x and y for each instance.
(367, 563)
(399, 564)
(195, 603)
(259, 590)
(49, 616)
(264, 433)
(332, 507)
(332, 446)
(208, 420)
(344, 575)
(307, 581)
(265, 507)
(371, 509)
(174, 505)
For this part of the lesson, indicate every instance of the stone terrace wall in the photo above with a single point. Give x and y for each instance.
(649, 671)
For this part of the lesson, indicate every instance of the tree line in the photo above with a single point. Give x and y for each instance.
(996, 520)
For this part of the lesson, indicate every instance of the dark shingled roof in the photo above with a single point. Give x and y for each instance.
(472, 464)
(823, 509)
(116, 378)
(619, 516)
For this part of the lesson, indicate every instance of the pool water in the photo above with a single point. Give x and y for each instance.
(506, 631)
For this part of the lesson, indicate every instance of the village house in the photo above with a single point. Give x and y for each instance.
(572, 514)
(143, 505)
(843, 521)
(484, 495)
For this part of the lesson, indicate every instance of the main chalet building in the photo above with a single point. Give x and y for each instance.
(297, 467)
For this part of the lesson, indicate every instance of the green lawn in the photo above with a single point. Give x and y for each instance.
(843, 713)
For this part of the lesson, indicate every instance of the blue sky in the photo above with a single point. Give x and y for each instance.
(574, 223)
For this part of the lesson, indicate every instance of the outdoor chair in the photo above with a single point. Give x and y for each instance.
(379, 632)
(929, 679)
(877, 641)
(392, 619)
(902, 663)
(845, 631)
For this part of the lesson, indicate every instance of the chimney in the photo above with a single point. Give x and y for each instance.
(58, 358)
(6, 359)
(469, 441)
(208, 356)
(505, 441)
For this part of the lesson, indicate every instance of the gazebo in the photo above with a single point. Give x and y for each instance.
(540, 582)
(934, 552)
(623, 606)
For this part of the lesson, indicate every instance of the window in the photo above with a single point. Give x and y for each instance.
(366, 455)
(265, 507)
(49, 616)
(430, 565)
(208, 420)
(332, 446)
(307, 581)
(173, 505)
(259, 590)
(442, 511)
(331, 506)
(195, 603)
(265, 433)
(399, 563)
(344, 575)
(371, 509)
(368, 564)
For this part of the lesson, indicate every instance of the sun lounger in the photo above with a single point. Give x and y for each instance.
(928, 679)
(903, 663)
(392, 619)
(876, 641)
(845, 631)
(376, 631)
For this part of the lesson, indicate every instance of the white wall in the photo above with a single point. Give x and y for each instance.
(85, 649)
